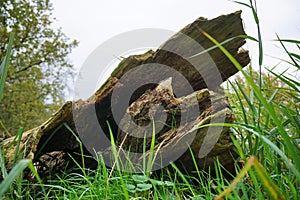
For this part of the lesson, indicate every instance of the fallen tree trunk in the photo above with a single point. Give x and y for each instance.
(51, 144)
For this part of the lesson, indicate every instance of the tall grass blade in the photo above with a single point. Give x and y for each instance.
(19, 136)
(4, 65)
(241, 106)
(271, 187)
(151, 157)
(80, 146)
(248, 37)
(284, 47)
(13, 174)
(242, 3)
(2, 165)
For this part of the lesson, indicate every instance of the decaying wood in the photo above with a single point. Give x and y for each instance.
(177, 130)
(51, 144)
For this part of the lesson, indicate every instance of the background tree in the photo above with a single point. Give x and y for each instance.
(39, 64)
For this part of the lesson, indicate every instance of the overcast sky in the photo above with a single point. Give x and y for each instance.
(92, 22)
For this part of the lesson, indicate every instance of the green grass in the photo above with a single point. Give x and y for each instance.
(266, 135)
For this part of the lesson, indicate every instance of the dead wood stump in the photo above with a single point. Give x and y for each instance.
(50, 144)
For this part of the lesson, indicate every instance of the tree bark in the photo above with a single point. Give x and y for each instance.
(51, 144)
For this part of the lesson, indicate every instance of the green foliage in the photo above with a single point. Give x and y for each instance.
(274, 89)
(267, 110)
(12, 182)
(39, 66)
(267, 126)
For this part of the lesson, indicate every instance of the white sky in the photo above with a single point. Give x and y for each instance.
(92, 22)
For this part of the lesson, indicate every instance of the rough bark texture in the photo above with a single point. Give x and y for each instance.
(180, 130)
(51, 144)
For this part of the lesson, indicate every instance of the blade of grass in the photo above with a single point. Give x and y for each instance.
(248, 100)
(290, 41)
(224, 42)
(212, 48)
(80, 146)
(19, 136)
(151, 151)
(260, 45)
(4, 65)
(238, 96)
(271, 187)
(242, 3)
(285, 49)
(290, 82)
(48, 139)
(15, 172)
(2, 165)
(5, 132)
(248, 37)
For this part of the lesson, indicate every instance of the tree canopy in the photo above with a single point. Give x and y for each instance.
(39, 67)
